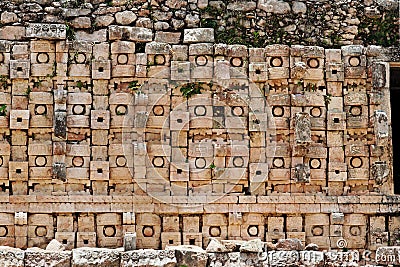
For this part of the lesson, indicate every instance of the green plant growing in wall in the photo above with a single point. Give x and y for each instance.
(3, 81)
(134, 85)
(327, 99)
(28, 90)
(212, 166)
(79, 84)
(70, 32)
(190, 89)
(3, 110)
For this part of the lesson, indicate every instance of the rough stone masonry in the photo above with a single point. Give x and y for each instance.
(190, 121)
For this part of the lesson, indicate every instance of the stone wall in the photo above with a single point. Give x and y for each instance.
(193, 256)
(253, 23)
(179, 138)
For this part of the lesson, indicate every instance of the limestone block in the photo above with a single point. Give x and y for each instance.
(148, 230)
(100, 119)
(18, 171)
(148, 257)
(380, 72)
(95, 257)
(101, 69)
(66, 238)
(198, 35)
(381, 128)
(12, 257)
(19, 119)
(46, 31)
(85, 239)
(302, 128)
(48, 258)
(379, 172)
(189, 255)
(127, 33)
(19, 69)
(180, 70)
(283, 258)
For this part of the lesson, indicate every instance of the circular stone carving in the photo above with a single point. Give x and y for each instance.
(252, 230)
(278, 162)
(1, 58)
(148, 231)
(42, 58)
(355, 230)
(356, 162)
(200, 110)
(158, 110)
(313, 63)
(78, 161)
(121, 110)
(237, 62)
(3, 231)
(109, 230)
(201, 60)
(41, 231)
(315, 163)
(354, 61)
(40, 161)
(355, 110)
(278, 111)
(238, 161)
(276, 62)
(122, 59)
(200, 163)
(237, 111)
(80, 58)
(159, 59)
(1, 161)
(316, 112)
(317, 230)
(158, 161)
(40, 109)
(121, 161)
(78, 109)
(215, 231)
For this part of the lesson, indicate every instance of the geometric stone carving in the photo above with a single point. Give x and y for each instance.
(302, 173)
(380, 172)
(381, 127)
(302, 128)
(46, 31)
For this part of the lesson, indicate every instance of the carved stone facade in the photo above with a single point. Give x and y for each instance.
(184, 142)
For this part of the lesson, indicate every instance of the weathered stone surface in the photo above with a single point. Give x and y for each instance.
(302, 128)
(129, 241)
(95, 257)
(205, 35)
(242, 6)
(54, 245)
(104, 21)
(289, 244)
(46, 31)
(216, 246)
(81, 23)
(189, 255)
(126, 17)
(299, 7)
(96, 36)
(274, 6)
(148, 257)
(380, 172)
(254, 246)
(12, 32)
(283, 258)
(11, 257)
(8, 17)
(47, 258)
